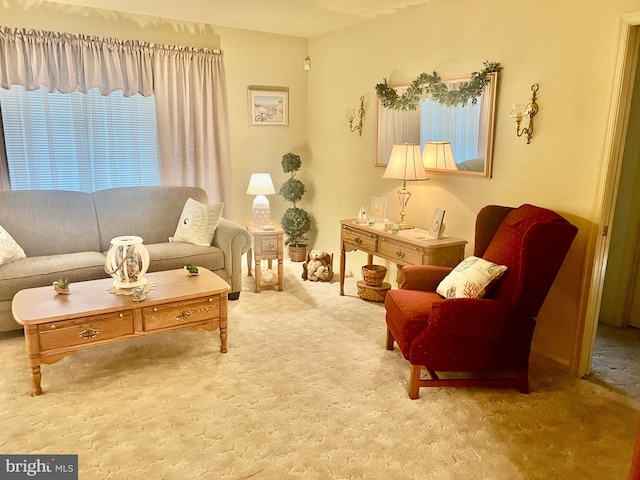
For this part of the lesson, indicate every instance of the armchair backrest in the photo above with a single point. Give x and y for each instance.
(532, 242)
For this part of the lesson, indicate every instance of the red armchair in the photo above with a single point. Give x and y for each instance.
(489, 338)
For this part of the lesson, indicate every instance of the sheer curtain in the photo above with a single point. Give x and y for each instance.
(188, 84)
(396, 126)
(193, 123)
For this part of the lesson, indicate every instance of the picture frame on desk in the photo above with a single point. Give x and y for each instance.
(436, 229)
(377, 209)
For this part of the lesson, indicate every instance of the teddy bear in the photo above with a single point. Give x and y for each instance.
(317, 268)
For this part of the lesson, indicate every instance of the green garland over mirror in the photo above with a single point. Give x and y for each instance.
(431, 84)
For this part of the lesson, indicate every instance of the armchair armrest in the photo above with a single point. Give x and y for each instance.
(234, 241)
(422, 277)
(471, 317)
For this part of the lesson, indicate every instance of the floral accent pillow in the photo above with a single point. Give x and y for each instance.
(470, 279)
(197, 223)
(9, 248)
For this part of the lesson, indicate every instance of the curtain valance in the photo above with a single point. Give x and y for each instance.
(65, 62)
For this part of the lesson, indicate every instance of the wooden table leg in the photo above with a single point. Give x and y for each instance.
(33, 355)
(223, 324)
(36, 378)
(258, 275)
(280, 273)
(249, 260)
(342, 267)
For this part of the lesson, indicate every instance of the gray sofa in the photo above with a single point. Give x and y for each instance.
(67, 234)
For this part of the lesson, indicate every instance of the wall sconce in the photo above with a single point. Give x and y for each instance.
(519, 110)
(351, 116)
(307, 63)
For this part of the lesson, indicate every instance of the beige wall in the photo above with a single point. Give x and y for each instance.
(567, 47)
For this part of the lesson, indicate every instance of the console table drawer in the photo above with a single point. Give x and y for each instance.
(83, 331)
(365, 241)
(268, 244)
(181, 313)
(401, 252)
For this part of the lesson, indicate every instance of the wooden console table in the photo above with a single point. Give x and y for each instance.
(407, 247)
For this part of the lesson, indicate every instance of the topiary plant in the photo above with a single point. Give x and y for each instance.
(296, 222)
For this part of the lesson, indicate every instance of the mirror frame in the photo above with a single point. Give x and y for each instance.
(489, 118)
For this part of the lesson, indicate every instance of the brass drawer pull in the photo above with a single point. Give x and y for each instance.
(358, 240)
(400, 254)
(183, 316)
(89, 333)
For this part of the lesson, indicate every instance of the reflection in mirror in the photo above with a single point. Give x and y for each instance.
(455, 140)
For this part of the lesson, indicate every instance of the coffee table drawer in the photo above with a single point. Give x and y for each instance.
(181, 313)
(70, 333)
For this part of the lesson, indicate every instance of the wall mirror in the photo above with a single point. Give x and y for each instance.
(453, 140)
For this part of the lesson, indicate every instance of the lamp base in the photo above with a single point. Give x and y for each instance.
(402, 225)
(261, 213)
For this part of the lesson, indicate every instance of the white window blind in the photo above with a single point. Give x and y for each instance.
(78, 141)
(458, 125)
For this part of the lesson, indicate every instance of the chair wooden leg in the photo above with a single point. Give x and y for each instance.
(390, 340)
(414, 382)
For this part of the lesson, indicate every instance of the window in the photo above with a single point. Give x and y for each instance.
(78, 141)
(458, 125)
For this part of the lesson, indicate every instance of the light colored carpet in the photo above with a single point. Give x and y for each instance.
(306, 391)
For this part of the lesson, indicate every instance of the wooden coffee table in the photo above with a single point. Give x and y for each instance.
(59, 325)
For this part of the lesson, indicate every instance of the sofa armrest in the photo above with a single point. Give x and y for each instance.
(234, 241)
(422, 277)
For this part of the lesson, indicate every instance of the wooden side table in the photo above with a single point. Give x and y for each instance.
(408, 247)
(265, 245)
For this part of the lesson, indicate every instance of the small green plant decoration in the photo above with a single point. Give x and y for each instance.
(296, 222)
(61, 285)
(431, 85)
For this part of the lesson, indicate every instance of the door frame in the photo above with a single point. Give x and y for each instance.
(613, 149)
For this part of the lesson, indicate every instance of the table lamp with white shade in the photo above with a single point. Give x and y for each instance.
(405, 163)
(261, 185)
(438, 155)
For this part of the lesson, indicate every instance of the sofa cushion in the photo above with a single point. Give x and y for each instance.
(43, 270)
(152, 212)
(9, 248)
(49, 222)
(166, 256)
(197, 223)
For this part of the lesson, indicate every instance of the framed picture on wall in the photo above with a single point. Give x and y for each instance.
(268, 105)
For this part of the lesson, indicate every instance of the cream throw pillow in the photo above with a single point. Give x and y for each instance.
(470, 278)
(9, 248)
(197, 223)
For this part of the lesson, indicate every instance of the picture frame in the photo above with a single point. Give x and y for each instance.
(268, 106)
(436, 229)
(377, 208)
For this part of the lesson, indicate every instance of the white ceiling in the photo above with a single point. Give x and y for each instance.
(300, 18)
